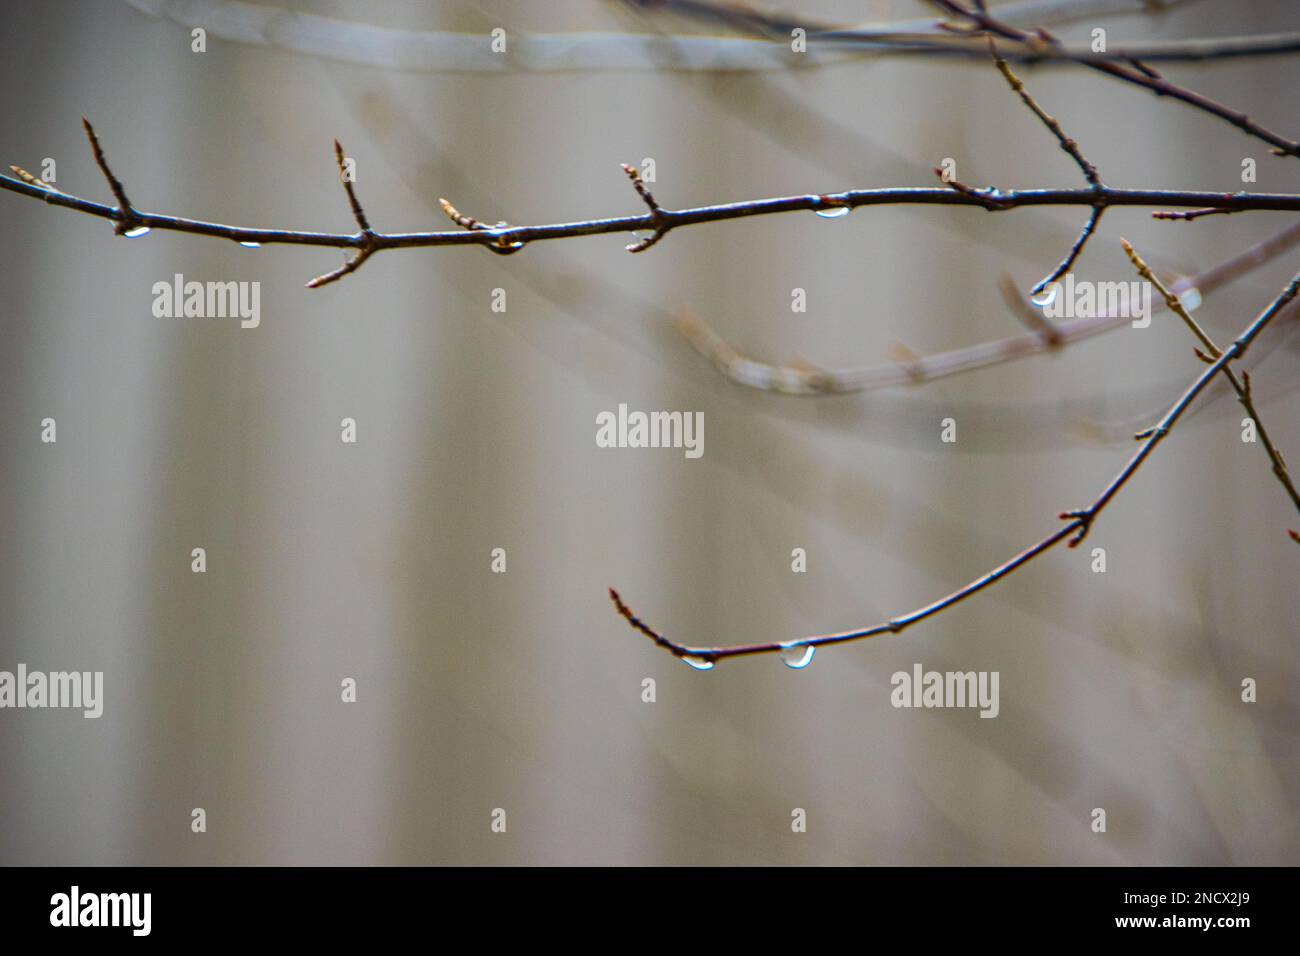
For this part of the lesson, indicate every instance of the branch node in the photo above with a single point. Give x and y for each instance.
(657, 216)
(1083, 517)
(990, 197)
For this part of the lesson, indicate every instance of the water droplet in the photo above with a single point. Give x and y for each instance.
(500, 247)
(834, 212)
(1191, 299)
(1047, 296)
(797, 656)
(251, 245)
(699, 663)
(137, 232)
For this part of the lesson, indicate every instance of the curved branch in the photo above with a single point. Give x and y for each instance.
(804, 381)
(1079, 523)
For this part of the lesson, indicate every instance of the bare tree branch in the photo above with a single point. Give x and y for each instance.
(388, 48)
(790, 380)
(658, 220)
(1071, 148)
(127, 220)
(1079, 523)
(1240, 386)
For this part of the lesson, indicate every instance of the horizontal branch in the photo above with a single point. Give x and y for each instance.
(1079, 523)
(923, 37)
(433, 51)
(1242, 386)
(1130, 70)
(659, 220)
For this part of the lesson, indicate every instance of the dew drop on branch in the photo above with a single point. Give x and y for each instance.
(1047, 296)
(502, 247)
(797, 656)
(251, 245)
(137, 232)
(835, 212)
(699, 663)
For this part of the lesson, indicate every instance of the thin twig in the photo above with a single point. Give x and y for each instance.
(1240, 386)
(509, 239)
(920, 37)
(752, 373)
(127, 219)
(656, 213)
(1066, 264)
(501, 246)
(1067, 143)
(1128, 73)
(1071, 148)
(1079, 523)
(1189, 215)
(989, 197)
(367, 235)
(31, 180)
(432, 51)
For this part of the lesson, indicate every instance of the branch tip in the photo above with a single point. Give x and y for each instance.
(358, 213)
(126, 218)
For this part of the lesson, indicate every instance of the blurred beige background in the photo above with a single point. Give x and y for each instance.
(476, 431)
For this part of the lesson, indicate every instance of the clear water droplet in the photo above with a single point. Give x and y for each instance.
(834, 212)
(137, 232)
(699, 663)
(1191, 299)
(798, 656)
(251, 245)
(1046, 297)
(503, 248)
